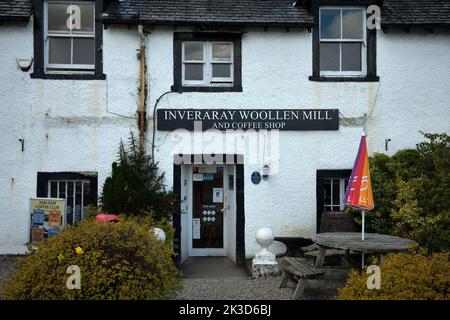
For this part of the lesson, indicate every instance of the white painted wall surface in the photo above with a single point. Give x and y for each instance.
(64, 123)
(413, 94)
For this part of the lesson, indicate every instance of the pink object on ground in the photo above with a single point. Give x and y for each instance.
(107, 218)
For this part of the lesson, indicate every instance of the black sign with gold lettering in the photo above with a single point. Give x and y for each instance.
(245, 119)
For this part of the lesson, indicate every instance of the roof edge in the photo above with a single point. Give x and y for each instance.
(107, 20)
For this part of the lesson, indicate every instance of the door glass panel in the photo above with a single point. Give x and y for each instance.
(207, 206)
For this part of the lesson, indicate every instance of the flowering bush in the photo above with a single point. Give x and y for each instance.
(116, 260)
(404, 276)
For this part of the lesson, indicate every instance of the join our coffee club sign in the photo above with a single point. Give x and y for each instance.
(245, 119)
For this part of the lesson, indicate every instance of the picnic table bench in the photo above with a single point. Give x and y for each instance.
(297, 268)
(374, 243)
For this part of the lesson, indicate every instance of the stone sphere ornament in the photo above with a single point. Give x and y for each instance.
(264, 237)
(159, 234)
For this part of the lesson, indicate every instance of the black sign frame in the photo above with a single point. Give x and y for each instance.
(245, 119)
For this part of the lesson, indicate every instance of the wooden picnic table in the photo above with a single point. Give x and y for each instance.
(373, 243)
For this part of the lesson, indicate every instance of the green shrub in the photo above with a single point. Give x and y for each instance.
(412, 193)
(135, 186)
(117, 261)
(404, 276)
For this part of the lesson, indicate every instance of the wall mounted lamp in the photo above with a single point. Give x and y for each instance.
(265, 172)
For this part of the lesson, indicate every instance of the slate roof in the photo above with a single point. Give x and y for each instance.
(19, 10)
(224, 12)
(396, 13)
(415, 12)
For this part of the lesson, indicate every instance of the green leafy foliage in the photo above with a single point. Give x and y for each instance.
(135, 186)
(404, 276)
(412, 193)
(117, 261)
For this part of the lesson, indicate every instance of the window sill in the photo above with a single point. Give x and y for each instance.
(345, 79)
(68, 76)
(206, 89)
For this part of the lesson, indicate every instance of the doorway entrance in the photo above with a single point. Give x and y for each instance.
(212, 211)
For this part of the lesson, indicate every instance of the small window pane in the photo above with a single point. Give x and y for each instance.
(59, 50)
(221, 70)
(83, 51)
(62, 189)
(329, 56)
(193, 71)
(193, 51)
(221, 52)
(69, 202)
(87, 17)
(336, 193)
(327, 192)
(53, 189)
(330, 24)
(352, 24)
(57, 17)
(351, 57)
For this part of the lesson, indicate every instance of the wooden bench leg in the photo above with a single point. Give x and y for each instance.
(346, 259)
(300, 288)
(320, 257)
(284, 280)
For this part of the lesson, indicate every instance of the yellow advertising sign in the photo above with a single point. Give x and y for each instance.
(46, 217)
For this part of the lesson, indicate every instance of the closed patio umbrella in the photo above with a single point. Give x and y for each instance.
(359, 190)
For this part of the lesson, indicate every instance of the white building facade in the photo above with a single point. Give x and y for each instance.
(312, 69)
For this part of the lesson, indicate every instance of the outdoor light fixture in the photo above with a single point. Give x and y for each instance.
(265, 172)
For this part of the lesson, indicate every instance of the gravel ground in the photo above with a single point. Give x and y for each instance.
(254, 289)
(7, 264)
(244, 288)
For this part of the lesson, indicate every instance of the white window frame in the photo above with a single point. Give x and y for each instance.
(341, 194)
(207, 62)
(363, 42)
(66, 68)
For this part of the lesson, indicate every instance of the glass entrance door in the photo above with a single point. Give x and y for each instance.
(208, 209)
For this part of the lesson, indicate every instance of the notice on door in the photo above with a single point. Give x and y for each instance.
(217, 195)
(196, 228)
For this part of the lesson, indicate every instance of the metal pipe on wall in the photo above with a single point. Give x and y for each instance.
(142, 88)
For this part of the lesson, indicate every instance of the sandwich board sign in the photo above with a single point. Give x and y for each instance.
(47, 217)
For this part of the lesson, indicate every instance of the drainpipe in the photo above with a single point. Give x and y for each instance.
(142, 88)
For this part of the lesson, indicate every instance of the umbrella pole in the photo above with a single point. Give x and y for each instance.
(362, 233)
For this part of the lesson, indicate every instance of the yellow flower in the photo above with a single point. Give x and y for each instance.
(78, 250)
(60, 257)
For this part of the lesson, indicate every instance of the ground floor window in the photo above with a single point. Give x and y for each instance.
(333, 193)
(330, 191)
(79, 190)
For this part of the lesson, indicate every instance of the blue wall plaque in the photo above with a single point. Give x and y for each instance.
(256, 177)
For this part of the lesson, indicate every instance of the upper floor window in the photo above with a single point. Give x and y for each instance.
(69, 36)
(342, 42)
(67, 39)
(344, 49)
(207, 62)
